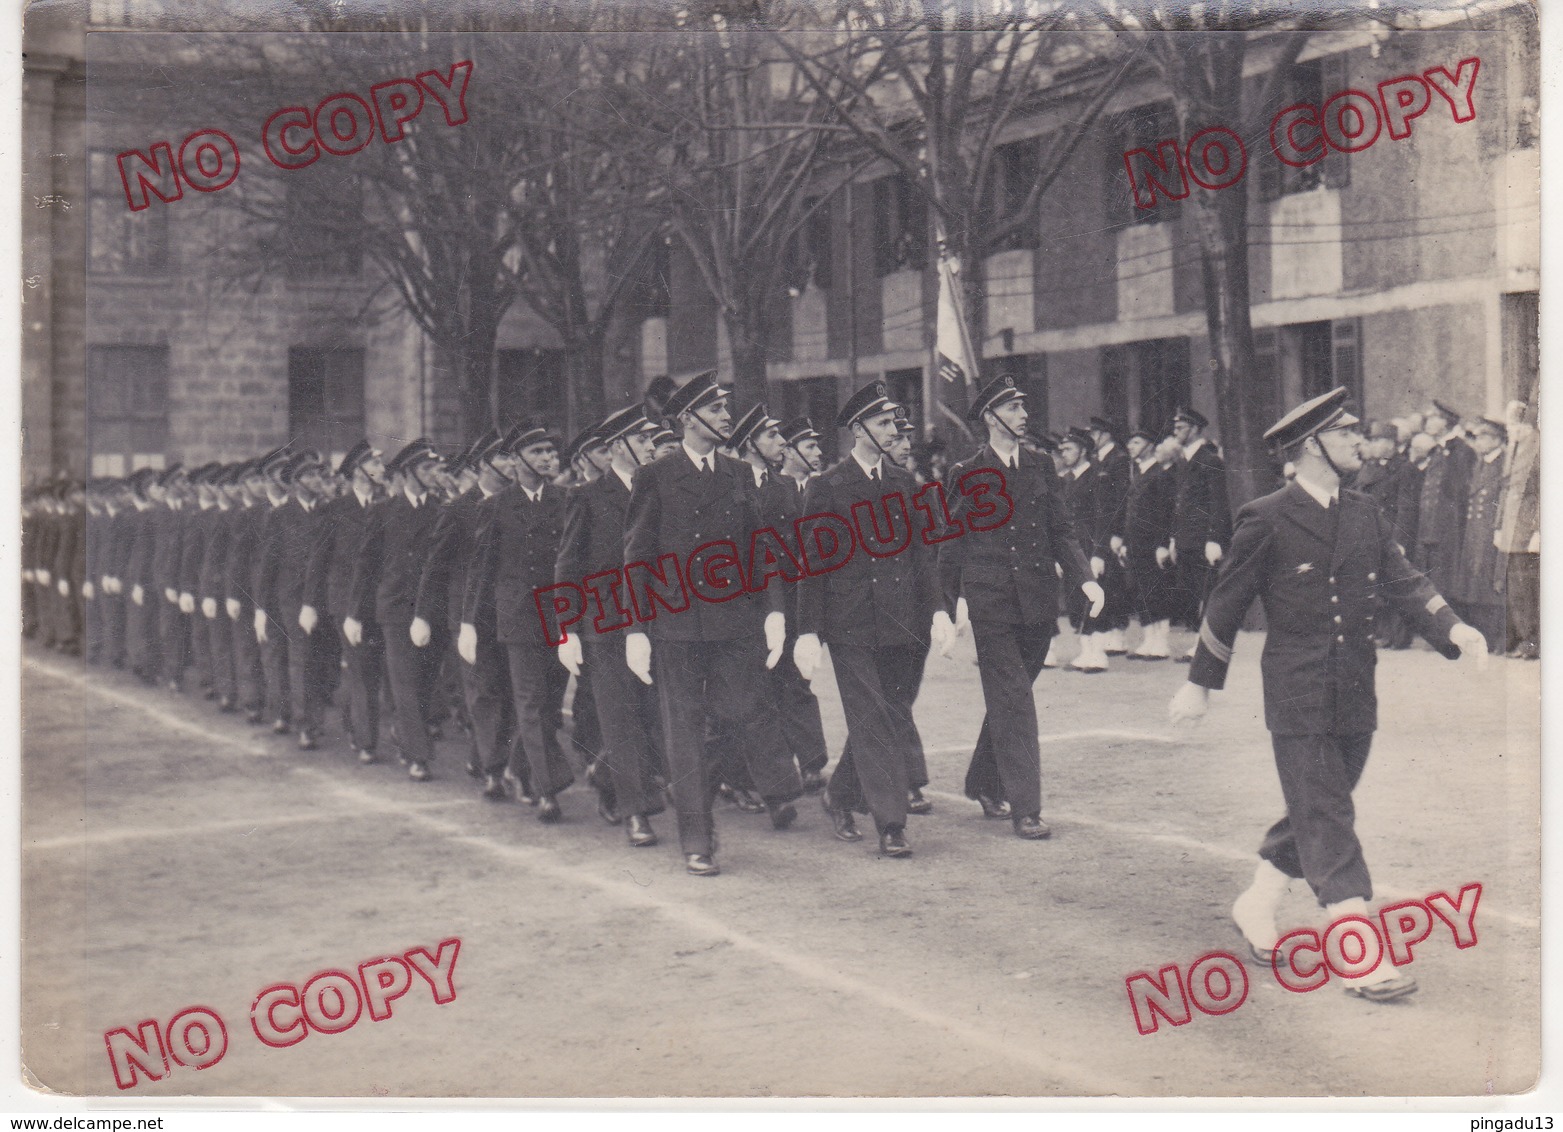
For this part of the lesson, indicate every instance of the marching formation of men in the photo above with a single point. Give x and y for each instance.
(407, 592)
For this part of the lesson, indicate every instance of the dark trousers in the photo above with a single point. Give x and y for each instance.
(219, 643)
(200, 647)
(249, 672)
(803, 734)
(143, 636)
(1316, 839)
(1006, 763)
(311, 657)
(626, 713)
(31, 618)
(1195, 577)
(364, 666)
(873, 774)
(1116, 605)
(720, 681)
(537, 685)
(490, 706)
(174, 628)
(1155, 587)
(1523, 574)
(92, 631)
(274, 666)
(585, 728)
(413, 673)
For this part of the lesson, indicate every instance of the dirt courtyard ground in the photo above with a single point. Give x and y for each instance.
(175, 857)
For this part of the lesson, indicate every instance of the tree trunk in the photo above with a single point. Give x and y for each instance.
(583, 370)
(747, 341)
(475, 356)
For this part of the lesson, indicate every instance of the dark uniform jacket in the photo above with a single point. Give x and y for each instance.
(872, 602)
(1084, 504)
(675, 509)
(265, 565)
(243, 544)
(1112, 473)
(517, 544)
(1322, 581)
(1441, 511)
(328, 579)
(282, 566)
(212, 578)
(1149, 511)
(444, 580)
(1202, 513)
(1007, 573)
(199, 522)
(593, 542)
(169, 526)
(388, 564)
(141, 541)
(781, 506)
(1479, 574)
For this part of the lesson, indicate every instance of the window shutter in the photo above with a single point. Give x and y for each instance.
(1346, 355)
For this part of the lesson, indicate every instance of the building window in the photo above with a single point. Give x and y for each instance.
(1016, 167)
(1144, 127)
(323, 224)
(127, 408)
(812, 397)
(1311, 82)
(326, 397)
(532, 384)
(1144, 383)
(900, 225)
(119, 241)
(810, 252)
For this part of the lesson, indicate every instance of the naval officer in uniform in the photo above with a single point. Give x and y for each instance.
(1322, 560)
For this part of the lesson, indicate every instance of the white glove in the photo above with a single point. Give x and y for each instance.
(1189, 703)
(1534, 546)
(1093, 594)
(87, 591)
(209, 608)
(1471, 643)
(232, 606)
(260, 625)
(942, 632)
(1212, 552)
(171, 595)
(637, 655)
(308, 618)
(570, 654)
(775, 637)
(1172, 551)
(1116, 544)
(466, 642)
(42, 576)
(962, 616)
(186, 603)
(420, 633)
(1058, 568)
(64, 587)
(806, 654)
(112, 585)
(137, 595)
(1097, 566)
(29, 575)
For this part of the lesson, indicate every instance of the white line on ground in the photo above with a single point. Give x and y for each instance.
(1074, 737)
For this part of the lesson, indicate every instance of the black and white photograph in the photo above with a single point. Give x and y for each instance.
(773, 549)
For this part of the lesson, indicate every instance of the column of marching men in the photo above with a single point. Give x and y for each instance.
(402, 591)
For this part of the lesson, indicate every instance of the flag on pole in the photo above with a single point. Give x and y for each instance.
(952, 344)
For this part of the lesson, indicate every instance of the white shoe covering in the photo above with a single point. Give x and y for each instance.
(1254, 911)
(1386, 969)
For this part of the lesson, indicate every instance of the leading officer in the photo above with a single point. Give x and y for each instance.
(1321, 559)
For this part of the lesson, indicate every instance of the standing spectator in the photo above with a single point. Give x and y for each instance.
(1478, 577)
(1519, 533)
(1441, 510)
(1149, 529)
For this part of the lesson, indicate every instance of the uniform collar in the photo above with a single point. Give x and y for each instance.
(1319, 495)
(869, 469)
(699, 461)
(1190, 449)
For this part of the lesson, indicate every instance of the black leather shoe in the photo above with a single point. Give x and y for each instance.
(916, 803)
(419, 772)
(306, 740)
(843, 824)
(701, 865)
(519, 790)
(1032, 828)
(725, 791)
(992, 807)
(813, 782)
(892, 842)
(1386, 991)
(279, 727)
(474, 769)
(494, 788)
(748, 802)
(605, 810)
(368, 758)
(548, 809)
(784, 815)
(640, 831)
